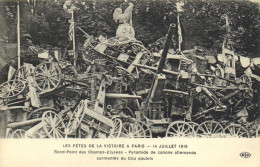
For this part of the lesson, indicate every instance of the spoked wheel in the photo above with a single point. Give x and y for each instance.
(132, 130)
(194, 126)
(22, 73)
(236, 131)
(75, 119)
(147, 129)
(180, 129)
(137, 48)
(9, 132)
(248, 81)
(47, 76)
(258, 132)
(19, 134)
(38, 112)
(128, 77)
(53, 125)
(12, 88)
(128, 112)
(210, 129)
(117, 129)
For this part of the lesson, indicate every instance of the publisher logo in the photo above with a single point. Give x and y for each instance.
(245, 154)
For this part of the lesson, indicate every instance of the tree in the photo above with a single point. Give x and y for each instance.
(203, 23)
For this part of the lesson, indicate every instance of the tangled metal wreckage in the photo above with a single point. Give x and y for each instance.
(121, 89)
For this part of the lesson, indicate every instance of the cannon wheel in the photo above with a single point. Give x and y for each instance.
(9, 133)
(147, 55)
(117, 129)
(180, 129)
(19, 134)
(137, 47)
(38, 112)
(237, 131)
(47, 76)
(210, 129)
(194, 126)
(22, 73)
(53, 125)
(128, 111)
(258, 132)
(147, 129)
(248, 81)
(76, 118)
(132, 130)
(12, 88)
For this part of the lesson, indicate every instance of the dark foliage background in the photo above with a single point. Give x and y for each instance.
(203, 22)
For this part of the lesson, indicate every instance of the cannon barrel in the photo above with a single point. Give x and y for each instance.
(122, 96)
(165, 49)
(24, 123)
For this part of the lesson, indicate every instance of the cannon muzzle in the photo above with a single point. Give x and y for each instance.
(165, 49)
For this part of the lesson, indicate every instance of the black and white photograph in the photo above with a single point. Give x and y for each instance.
(130, 69)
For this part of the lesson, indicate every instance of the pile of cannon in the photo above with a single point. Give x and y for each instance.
(121, 89)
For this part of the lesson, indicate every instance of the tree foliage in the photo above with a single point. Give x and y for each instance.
(203, 23)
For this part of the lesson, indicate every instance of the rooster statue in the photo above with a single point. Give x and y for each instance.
(124, 18)
(125, 29)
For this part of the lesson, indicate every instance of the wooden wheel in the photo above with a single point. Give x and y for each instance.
(53, 125)
(12, 88)
(132, 130)
(19, 134)
(137, 48)
(38, 112)
(117, 129)
(128, 112)
(210, 129)
(247, 84)
(47, 76)
(9, 132)
(258, 132)
(147, 129)
(180, 129)
(194, 126)
(236, 131)
(22, 73)
(76, 118)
